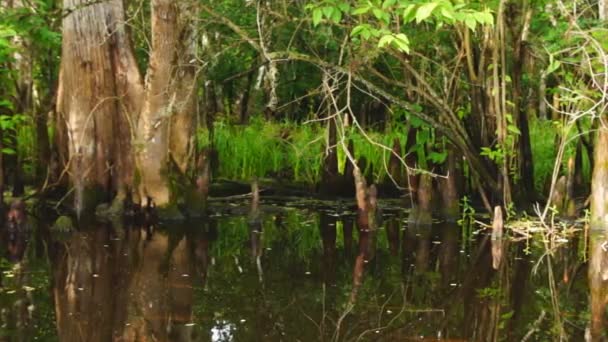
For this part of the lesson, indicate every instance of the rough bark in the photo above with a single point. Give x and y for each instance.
(598, 277)
(99, 91)
(166, 120)
(421, 213)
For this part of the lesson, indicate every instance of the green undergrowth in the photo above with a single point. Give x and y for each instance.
(289, 150)
(545, 144)
(544, 150)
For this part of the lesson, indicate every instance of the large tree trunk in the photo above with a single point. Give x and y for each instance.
(99, 90)
(598, 260)
(101, 94)
(166, 121)
(598, 277)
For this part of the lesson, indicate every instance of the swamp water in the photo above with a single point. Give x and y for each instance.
(302, 273)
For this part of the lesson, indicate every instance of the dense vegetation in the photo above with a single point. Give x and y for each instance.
(499, 103)
(503, 83)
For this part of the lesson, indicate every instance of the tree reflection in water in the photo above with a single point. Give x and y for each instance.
(323, 279)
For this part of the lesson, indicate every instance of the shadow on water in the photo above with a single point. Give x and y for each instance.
(288, 272)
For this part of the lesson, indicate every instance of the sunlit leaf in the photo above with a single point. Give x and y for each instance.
(378, 13)
(385, 40)
(409, 13)
(425, 11)
(471, 23)
(7, 150)
(317, 15)
(361, 10)
(388, 3)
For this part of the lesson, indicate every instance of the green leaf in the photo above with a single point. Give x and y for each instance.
(344, 7)
(7, 150)
(437, 157)
(317, 15)
(377, 33)
(361, 10)
(423, 137)
(484, 18)
(448, 13)
(513, 129)
(487, 18)
(416, 122)
(553, 65)
(7, 32)
(378, 13)
(366, 34)
(402, 42)
(336, 16)
(470, 22)
(409, 13)
(388, 3)
(357, 30)
(385, 40)
(425, 11)
(7, 104)
(328, 11)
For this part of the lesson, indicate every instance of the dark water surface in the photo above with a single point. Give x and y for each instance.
(302, 273)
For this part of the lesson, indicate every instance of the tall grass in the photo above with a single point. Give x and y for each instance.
(294, 151)
(544, 151)
(290, 150)
(265, 148)
(544, 142)
(377, 157)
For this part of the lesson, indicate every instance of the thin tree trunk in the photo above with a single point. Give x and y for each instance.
(449, 187)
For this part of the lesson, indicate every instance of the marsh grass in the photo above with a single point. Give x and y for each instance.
(543, 138)
(544, 150)
(290, 150)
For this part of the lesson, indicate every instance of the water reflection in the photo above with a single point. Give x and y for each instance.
(295, 273)
(16, 308)
(129, 284)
